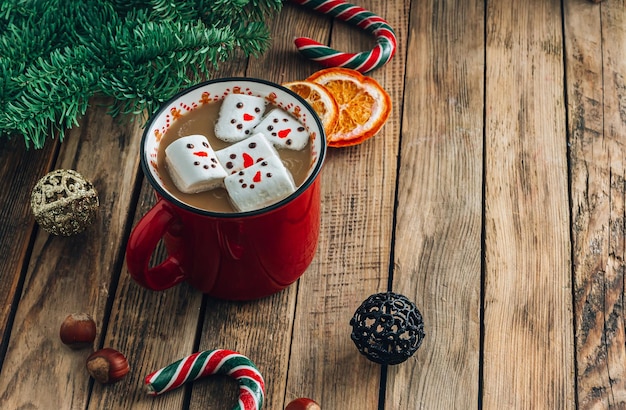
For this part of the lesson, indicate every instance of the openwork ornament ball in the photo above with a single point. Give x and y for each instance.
(387, 328)
(64, 202)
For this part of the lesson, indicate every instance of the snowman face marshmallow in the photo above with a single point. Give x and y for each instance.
(283, 130)
(245, 153)
(238, 115)
(262, 184)
(192, 164)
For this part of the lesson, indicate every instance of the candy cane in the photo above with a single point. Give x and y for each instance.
(364, 61)
(207, 363)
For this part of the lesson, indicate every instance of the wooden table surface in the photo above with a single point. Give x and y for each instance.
(494, 198)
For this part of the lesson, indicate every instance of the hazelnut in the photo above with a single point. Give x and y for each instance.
(107, 365)
(303, 404)
(78, 330)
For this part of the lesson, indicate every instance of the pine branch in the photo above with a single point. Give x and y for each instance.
(53, 94)
(55, 55)
(153, 62)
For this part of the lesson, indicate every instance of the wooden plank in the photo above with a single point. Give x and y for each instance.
(596, 89)
(72, 274)
(20, 169)
(438, 229)
(528, 330)
(354, 252)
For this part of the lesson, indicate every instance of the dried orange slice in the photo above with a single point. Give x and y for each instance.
(320, 99)
(364, 106)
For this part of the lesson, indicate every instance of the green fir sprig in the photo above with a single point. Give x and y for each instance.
(56, 54)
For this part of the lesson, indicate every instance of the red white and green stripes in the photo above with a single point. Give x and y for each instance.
(365, 61)
(207, 363)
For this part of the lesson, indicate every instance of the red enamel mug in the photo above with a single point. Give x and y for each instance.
(232, 256)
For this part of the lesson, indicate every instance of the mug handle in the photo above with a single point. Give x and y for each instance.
(143, 241)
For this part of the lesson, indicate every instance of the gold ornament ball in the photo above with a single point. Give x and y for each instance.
(64, 202)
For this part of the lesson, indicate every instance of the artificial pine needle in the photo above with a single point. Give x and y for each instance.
(56, 54)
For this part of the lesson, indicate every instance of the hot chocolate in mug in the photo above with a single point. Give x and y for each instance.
(227, 255)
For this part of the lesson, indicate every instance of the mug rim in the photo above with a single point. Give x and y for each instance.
(236, 214)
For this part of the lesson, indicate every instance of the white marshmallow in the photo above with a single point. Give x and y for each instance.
(283, 130)
(245, 153)
(259, 185)
(238, 115)
(192, 164)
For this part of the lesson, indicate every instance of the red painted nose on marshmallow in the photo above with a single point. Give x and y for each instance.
(282, 130)
(245, 153)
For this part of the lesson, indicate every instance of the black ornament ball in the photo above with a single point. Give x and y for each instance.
(387, 328)
(64, 202)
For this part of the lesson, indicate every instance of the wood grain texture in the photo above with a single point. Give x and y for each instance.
(596, 91)
(16, 220)
(528, 330)
(72, 274)
(439, 216)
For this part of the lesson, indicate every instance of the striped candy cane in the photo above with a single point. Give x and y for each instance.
(364, 61)
(207, 363)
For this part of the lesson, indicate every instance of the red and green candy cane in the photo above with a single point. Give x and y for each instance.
(207, 363)
(364, 61)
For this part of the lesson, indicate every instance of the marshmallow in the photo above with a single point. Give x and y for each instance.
(283, 130)
(192, 164)
(262, 184)
(245, 153)
(238, 115)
